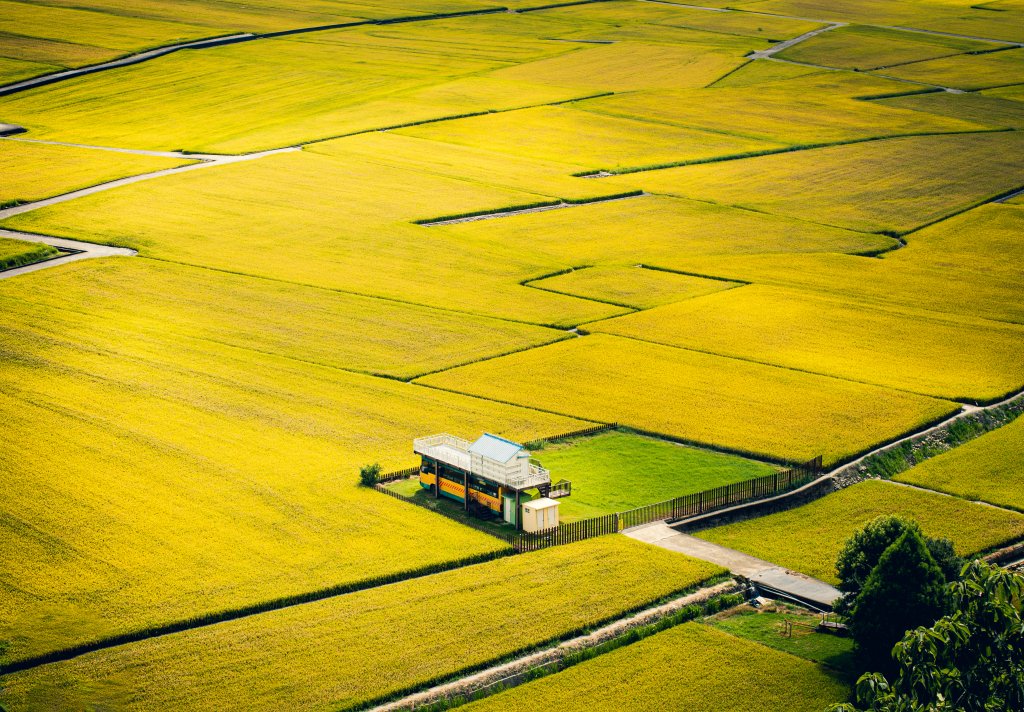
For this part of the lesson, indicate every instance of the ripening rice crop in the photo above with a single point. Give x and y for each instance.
(311, 87)
(632, 286)
(992, 295)
(692, 666)
(662, 232)
(15, 253)
(855, 186)
(337, 221)
(990, 468)
(997, 20)
(817, 108)
(970, 106)
(194, 477)
(969, 72)
(590, 141)
(910, 350)
(343, 652)
(857, 47)
(728, 403)
(28, 173)
(316, 325)
(808, 538)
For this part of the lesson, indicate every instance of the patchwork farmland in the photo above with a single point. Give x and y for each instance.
(743, 257)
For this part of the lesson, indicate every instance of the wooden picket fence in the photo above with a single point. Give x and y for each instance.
(565, 533)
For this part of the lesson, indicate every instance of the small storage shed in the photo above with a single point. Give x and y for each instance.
(540, 514)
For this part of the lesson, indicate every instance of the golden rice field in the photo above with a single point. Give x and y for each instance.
(853, 186)
(181, 431)
(808, 539)
(862, 48)
(306, 324)
(974, 107)
(978, 71)
(672, 668)
(818, 107)
(634, 287)
(344, 652)
(589, 141)
(990, 469)
(963, 359)
(15, 253)
(26, 176)
(165, 499)
(698, 397)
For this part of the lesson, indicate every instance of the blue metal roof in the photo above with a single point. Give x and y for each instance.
(495, 448)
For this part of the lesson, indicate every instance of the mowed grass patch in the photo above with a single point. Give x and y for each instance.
(808, 538)
(990, 468)
(29, 175)
(194, 477)
(858, 47)
(789, 628)
(737, 405)
(587, 140)
(335, 221)
(344, 652)
(968, 72)
(663, 232)
(303, 323)
(616, 471)
(15, 253)
(962, 359)
(816, 108)
(632, 286)
(674, 668)
(854, 185)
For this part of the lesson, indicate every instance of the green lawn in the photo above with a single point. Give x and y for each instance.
(616, 471)
(767, 626)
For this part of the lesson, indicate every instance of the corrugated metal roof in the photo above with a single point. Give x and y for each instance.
(495, 448)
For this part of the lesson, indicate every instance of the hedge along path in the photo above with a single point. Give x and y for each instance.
(513, 671)
(350, 651)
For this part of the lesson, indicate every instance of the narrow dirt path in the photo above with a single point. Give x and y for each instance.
(134, 151)
(512, 672)
(73, 249)
(766, 53)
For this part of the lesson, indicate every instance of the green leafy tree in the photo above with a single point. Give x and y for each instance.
(906, 589)
(369, 474)
(971, 660)
(862, 551)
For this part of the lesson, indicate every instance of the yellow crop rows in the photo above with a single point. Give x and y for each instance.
(632, 286)
(14, 253)
(590, 141)
(980, 71)
(916, 351)
(854, 47)
(194, 477)
(675, 665)
(738, 405)
(990, 469)
(808, 539)
(303, 323)
(24, 166)
(344, 652)
(854, 186)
